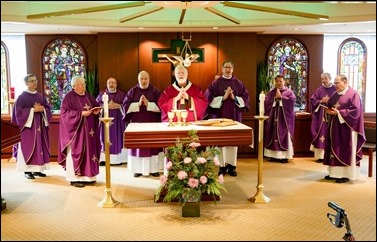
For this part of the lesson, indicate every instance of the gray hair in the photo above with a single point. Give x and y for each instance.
(326, 74)
(26, 78)
(77, 79)
(142, 73)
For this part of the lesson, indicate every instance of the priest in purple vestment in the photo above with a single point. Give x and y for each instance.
(32, 114)
(79, 145)
(279, 129)
(140, 106)
(183, 95)
(318, 105)
(228, 98)
(118, 154)
(345, 133)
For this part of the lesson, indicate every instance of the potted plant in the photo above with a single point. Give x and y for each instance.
(265, 81)
(192, 171)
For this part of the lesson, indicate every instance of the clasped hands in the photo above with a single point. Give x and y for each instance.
(182, 95)
(143, 101)
(325, 99)
(38, 108)
(228, 93)
(278, 94)
(114, 105)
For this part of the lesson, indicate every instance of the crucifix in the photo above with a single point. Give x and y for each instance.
(177, 46)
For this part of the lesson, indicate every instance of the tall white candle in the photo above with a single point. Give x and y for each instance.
(262, 96)
(105, 99)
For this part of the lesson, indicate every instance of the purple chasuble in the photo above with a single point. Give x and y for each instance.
(228, 108)
(196, 109)
(318, 127)
(339, 145)
(81, 133)
(117, 125)
(35, 139)
(281, 119)
(143, 115)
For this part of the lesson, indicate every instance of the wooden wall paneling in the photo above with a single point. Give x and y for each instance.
(241, 48)
(203, 74)
(118, 57)
(160, 73)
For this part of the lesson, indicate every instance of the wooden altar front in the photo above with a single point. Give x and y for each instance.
(160, 135)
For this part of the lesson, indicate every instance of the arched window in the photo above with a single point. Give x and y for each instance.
(289, 57)
(62, 59)
(352, 56)
(5, 87)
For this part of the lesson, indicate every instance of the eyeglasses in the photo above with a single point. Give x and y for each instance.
(35, 81)
(227, 67)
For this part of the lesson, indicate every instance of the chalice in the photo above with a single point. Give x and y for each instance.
(184, 115)
(178, 114)
(171, 117)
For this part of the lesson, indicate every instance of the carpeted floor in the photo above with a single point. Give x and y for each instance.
(51, 209)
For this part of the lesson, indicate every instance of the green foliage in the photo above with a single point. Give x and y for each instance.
(265, 81)
(191, 173)
(92, 83)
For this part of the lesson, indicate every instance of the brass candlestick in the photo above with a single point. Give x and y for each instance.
(108, 201)
(259, 197)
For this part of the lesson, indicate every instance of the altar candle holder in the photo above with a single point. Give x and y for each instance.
(184, 115)
(171, 117)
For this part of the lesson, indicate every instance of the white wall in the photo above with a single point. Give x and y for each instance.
(330, 62)
(17, 61)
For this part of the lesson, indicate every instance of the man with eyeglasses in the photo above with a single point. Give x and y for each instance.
(345, 135)
(228, 98)
(32, 114)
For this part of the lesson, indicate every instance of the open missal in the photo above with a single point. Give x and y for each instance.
(95, 108)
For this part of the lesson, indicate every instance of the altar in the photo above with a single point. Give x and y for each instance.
(160, 135)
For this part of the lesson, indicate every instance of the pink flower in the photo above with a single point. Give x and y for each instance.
(163, 180)
(187, 160)
(201, 160)
(193, 182)
(203, 179)
(194, 145)
(221, 179)
(182, 175)
(216, 161)
(169, 165)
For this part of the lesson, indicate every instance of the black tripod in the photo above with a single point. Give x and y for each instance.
(340, 218)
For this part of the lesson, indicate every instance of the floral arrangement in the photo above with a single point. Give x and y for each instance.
(191, 170)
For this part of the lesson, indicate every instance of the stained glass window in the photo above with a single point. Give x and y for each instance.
(289, 57)
(352, 63)
(4, 80)
(62, 59)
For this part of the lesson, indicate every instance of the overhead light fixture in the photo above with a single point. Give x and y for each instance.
(275, 10)
(186, 55)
